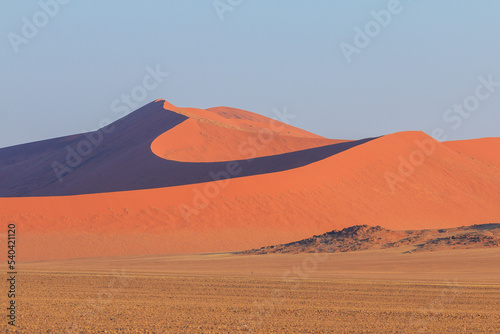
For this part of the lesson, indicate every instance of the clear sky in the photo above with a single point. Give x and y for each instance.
(345, 69)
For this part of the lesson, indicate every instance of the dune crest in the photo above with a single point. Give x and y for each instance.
(484, 149)
(447, 190)
(125, 200)
(226, 134)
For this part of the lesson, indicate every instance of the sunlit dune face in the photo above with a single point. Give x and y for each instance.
(250, 121)
(226, 134)
(484, 149)
(400, 181)
(447, 190)
(193, 141)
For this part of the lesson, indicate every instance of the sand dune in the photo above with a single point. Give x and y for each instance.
(227, 134)
(120, 157)
(194, 141)
(400, 181)
(239, 119)
(250, 212)
(484, 149)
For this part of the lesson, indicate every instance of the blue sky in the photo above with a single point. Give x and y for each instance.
(259, 55)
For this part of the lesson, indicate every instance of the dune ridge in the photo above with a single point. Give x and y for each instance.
(485, 149)
(401, 181)
(120, 157)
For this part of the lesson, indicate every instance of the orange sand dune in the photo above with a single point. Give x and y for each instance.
(225, 134)
(485, 149)
(372, 183)
(239, 119)
(249, 121)
(193, 141)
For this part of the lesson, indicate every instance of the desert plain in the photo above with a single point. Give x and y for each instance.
(371, 291)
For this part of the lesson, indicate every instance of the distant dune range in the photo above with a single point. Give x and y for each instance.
(147, 187)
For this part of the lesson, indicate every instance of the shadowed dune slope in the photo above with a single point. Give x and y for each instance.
(114, 158)
(400, 181)
(120, 157)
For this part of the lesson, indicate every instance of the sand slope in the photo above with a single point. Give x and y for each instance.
(367, 184)
(120, 157)
(194, 141)
(485, 149)
(226, 134)
(239, 119)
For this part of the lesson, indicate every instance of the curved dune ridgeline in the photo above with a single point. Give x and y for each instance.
(128, 201)
(120, 157)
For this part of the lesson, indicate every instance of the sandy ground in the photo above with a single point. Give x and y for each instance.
(472, 265)
(367, 291)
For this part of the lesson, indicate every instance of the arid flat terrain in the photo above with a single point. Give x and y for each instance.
(81, 303)
(471, 265)
(386, 290)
